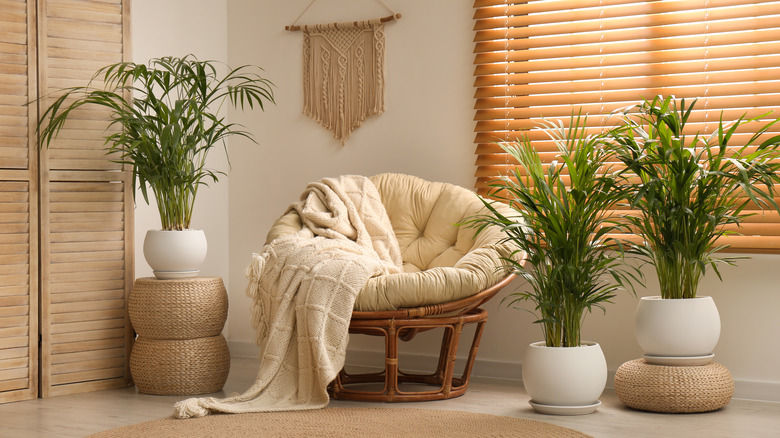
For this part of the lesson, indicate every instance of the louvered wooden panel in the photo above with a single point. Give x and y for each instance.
(86, 211)
(18, 294)
(81, 36)
(18, 204)
(86, 332)
(14, 84)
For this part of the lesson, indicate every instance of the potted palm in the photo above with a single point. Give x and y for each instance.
(164, 134)
(562, 224)
(687, 190)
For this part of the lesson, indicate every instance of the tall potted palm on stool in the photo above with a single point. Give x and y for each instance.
(563, 223)
(164, 133)
(688, 190)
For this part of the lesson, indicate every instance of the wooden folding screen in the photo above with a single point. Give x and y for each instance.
(71, 203)
(18, 204)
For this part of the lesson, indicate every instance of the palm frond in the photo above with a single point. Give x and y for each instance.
(689, 187)
(562, 228)
(169, 126)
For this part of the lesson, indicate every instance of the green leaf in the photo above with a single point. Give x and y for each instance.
(169, 127)
(561, 227)
(689, 188)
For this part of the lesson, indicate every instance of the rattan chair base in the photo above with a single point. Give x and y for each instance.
(673, 389)
(403, 325)
(180, 366)
(445, 384)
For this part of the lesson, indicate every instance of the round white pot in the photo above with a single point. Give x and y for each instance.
(175, 254)
(685, 328)
(564, 380)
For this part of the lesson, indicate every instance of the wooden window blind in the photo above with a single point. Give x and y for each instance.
(547, 58)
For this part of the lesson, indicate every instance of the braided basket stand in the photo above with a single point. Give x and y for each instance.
(673, 389)
(180, 349)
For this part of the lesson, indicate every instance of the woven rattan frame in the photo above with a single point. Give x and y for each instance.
(404, 324)
(673, 389)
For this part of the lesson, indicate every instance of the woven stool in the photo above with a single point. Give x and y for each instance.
(180, 349)
(673, 389)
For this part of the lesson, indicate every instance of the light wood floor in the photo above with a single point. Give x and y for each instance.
(83, 414)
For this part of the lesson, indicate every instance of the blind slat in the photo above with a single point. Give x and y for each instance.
(620, 72)
(640, 14)
(732, 106)
(712, 79)
(603, 43)
(495, 136)
(516, 57)
(623, 95)
(500, 8)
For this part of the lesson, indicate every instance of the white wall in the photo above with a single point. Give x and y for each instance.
(178, 28)
(426, 130)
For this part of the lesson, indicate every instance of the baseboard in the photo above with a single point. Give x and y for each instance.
(243, 349)
(744, 389)
(757, 390)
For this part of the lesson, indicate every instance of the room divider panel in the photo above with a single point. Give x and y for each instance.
(65, 212)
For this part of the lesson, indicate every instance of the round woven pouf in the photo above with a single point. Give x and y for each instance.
(180, 349)
(673, 389)
(180, 366)
(178, 309)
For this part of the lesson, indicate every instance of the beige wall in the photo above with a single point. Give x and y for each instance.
(426, 130)
(178, 28)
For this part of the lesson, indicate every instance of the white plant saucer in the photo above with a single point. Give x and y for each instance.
(168, 275)
(565, 410)
(678, 360)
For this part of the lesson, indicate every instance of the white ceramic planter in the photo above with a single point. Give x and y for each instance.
(684, 328)
(564, 381)
(175, 254)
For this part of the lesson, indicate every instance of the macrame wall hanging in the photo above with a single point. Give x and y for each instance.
(343, 72)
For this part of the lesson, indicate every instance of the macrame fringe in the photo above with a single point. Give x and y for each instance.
(343, 73)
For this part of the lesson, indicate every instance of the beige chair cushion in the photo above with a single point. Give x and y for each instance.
(442, 262)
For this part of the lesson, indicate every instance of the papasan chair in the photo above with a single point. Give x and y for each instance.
(448, 274)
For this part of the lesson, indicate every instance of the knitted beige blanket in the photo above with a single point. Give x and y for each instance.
(303, 288)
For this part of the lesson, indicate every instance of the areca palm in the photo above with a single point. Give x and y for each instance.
(688, 187)
(167, 129)
(562, 224)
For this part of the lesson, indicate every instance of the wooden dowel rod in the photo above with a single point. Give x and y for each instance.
(381, 20)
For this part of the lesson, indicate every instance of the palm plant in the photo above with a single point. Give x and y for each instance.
(687, 188)
(572, 265)
(168, 128)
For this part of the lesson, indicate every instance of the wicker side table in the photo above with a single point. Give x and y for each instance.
(180, 349)
(673, 389)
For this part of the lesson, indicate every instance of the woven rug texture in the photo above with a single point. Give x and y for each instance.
(346, 423)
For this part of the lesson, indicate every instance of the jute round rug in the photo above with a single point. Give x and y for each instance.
(346, 423)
